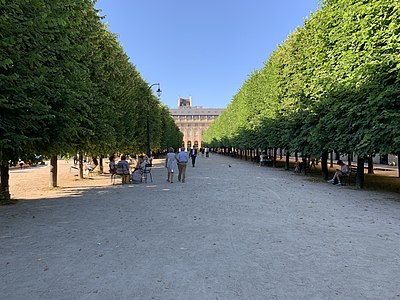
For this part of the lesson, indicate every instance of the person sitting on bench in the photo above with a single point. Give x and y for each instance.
(343, 171)
(263, 159)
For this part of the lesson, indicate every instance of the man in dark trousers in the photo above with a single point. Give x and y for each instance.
(193, 155)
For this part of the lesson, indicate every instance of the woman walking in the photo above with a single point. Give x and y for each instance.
(170, 164)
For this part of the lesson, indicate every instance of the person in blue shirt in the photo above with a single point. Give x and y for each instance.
(182, 159)
(123, 169)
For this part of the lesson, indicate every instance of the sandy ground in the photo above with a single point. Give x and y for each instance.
(34, 182)
(231, 231)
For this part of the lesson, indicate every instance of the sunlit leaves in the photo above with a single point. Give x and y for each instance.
(332, 85)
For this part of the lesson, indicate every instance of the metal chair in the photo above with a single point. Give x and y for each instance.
(147, 172)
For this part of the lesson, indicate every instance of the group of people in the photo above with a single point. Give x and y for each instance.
(174, 162)
(123, 167)
(179, 161)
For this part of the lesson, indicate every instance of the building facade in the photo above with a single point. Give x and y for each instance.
(193, 121)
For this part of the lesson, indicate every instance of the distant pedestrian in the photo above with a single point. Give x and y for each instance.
(182, 159)
(170, 164)
(113, 165)
(193, 155)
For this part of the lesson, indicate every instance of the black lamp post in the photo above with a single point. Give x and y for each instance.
(148, 152)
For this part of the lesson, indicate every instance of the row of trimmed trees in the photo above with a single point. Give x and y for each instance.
(67, 86)
(333, 85)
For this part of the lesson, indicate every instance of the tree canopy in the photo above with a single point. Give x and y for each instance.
(67, 85)
(332, 85)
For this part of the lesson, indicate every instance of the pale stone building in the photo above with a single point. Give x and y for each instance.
(193, 121)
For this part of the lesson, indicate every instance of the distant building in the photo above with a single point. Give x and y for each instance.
(193, 121)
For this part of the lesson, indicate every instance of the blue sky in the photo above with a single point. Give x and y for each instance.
(204, 49)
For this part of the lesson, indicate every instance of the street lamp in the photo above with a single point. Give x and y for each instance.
(148, 152)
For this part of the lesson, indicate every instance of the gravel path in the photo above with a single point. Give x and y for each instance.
(232, 231)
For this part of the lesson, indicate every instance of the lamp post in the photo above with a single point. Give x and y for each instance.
(148, 152)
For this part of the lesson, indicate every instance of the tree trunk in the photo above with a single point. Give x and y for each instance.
(370, 165)
(296, 157)
(53, 171)
(4, 183)
(101, 164)
(274, 158)
(324, 165)
(287, 160)
(349, 159)
(257, 155)
(398, 165)
(304, 159)
(332, 159)
(80, 165)
(360, 172)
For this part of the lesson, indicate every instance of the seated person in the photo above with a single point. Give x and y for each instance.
(343, 171)
(136, 176)
(263, 159)
(298, 167)
(145, 161)
(123, 169)
(90, 167)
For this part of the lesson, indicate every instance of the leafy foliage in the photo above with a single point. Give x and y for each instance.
(332, 85)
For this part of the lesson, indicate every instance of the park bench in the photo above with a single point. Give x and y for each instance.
(350, 176)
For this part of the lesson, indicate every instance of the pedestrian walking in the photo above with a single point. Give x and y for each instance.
(182, 159)
(170, 164)
(193, 155)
